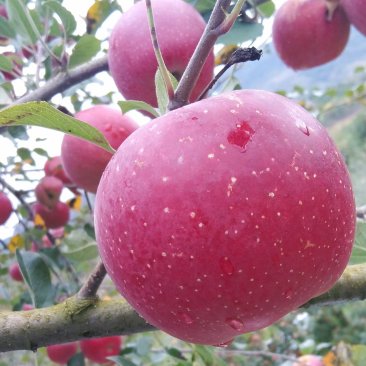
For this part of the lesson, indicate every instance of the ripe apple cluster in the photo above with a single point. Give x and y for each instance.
(309, 33)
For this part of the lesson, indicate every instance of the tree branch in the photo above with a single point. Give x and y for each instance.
(77, 319)
(65, 80)
(91, 286)
(202, 51)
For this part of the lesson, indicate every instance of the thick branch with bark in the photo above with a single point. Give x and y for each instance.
(77, 319)
(65, 80)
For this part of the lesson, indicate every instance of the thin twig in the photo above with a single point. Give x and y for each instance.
(238, 56)
(18, 196)
(91, 286)
(88, 202)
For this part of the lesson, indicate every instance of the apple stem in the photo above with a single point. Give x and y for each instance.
(219, 23)
(331, 5)
(91, 286)
(88, 202)
(238, 56)
(158, 54)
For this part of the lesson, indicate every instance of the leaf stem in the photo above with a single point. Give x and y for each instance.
(158, 54)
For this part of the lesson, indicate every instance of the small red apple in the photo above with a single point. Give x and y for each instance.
(17, 68)
(304, 38)
(97, 350)
(5, 208)
(221, 217)
(61, 353)
(14, 272)
(310, 360)
(48, 191)
(356, 13)
(27, 307)
(84, 162)
(179, 28)
(53, 167)
(55, 217)
(3, 12)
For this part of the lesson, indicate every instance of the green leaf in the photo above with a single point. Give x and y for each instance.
(77, 360)
(281, 92)
(18, 132)
(37, 276)
(241, 32)
(41, 152)
(5, 63)
(161, 90)
(143, 346)
(267, 9)
(99, 12)
(298, 89)
(349, 93)
(87, 47)
(67, 19)
(130, 105)
(360, 89)
(6, 30)
(17, 13)
(358, 353)
(206, 354)
(358, 255)
(77, 238)
(203, 6)
(121, 361)
(82, 254)
(43, 115)
(25, 155)
(7, 86)
(359, 69)
(90, 231)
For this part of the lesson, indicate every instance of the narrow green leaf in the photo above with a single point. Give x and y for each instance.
(121, 361)
(37, 276)
(67, 19)
(82, 254)
(6, 30)
(358, 255)
(5, 63)
(161, 90)
(130, 105)
(17, 13)
(87, 47)
(43, 115)
(41, 152)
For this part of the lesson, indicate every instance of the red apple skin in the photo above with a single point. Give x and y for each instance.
(15, 274)
(61, 353)
(5, 208)
(84, 162)
(3, 12)
(48, 191)
(302, 36)
(27, 307)
(356, 13)
(17, 67)
(179, 28)
(53, 167)
(58, 216)
(97, 350)
(221, 217)
(310, 360)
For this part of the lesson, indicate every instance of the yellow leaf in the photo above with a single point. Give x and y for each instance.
(28, 161)
(16, 241)
(340, 356)
(224, 54)
(75, 203)
(99, 12)
(4, 41)
(39, 222)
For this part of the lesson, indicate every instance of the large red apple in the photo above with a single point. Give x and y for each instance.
(97, 350)
(131, 56)
(356, 13)
(48, 191)
(309, 360)
(61, 353)
(15, 273)
(53, 218)
(84, 162)
(304, 38)
(221, 217)
(5, 208)
(53, 167)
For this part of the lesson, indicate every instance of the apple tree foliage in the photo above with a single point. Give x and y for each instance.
(63, 261)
